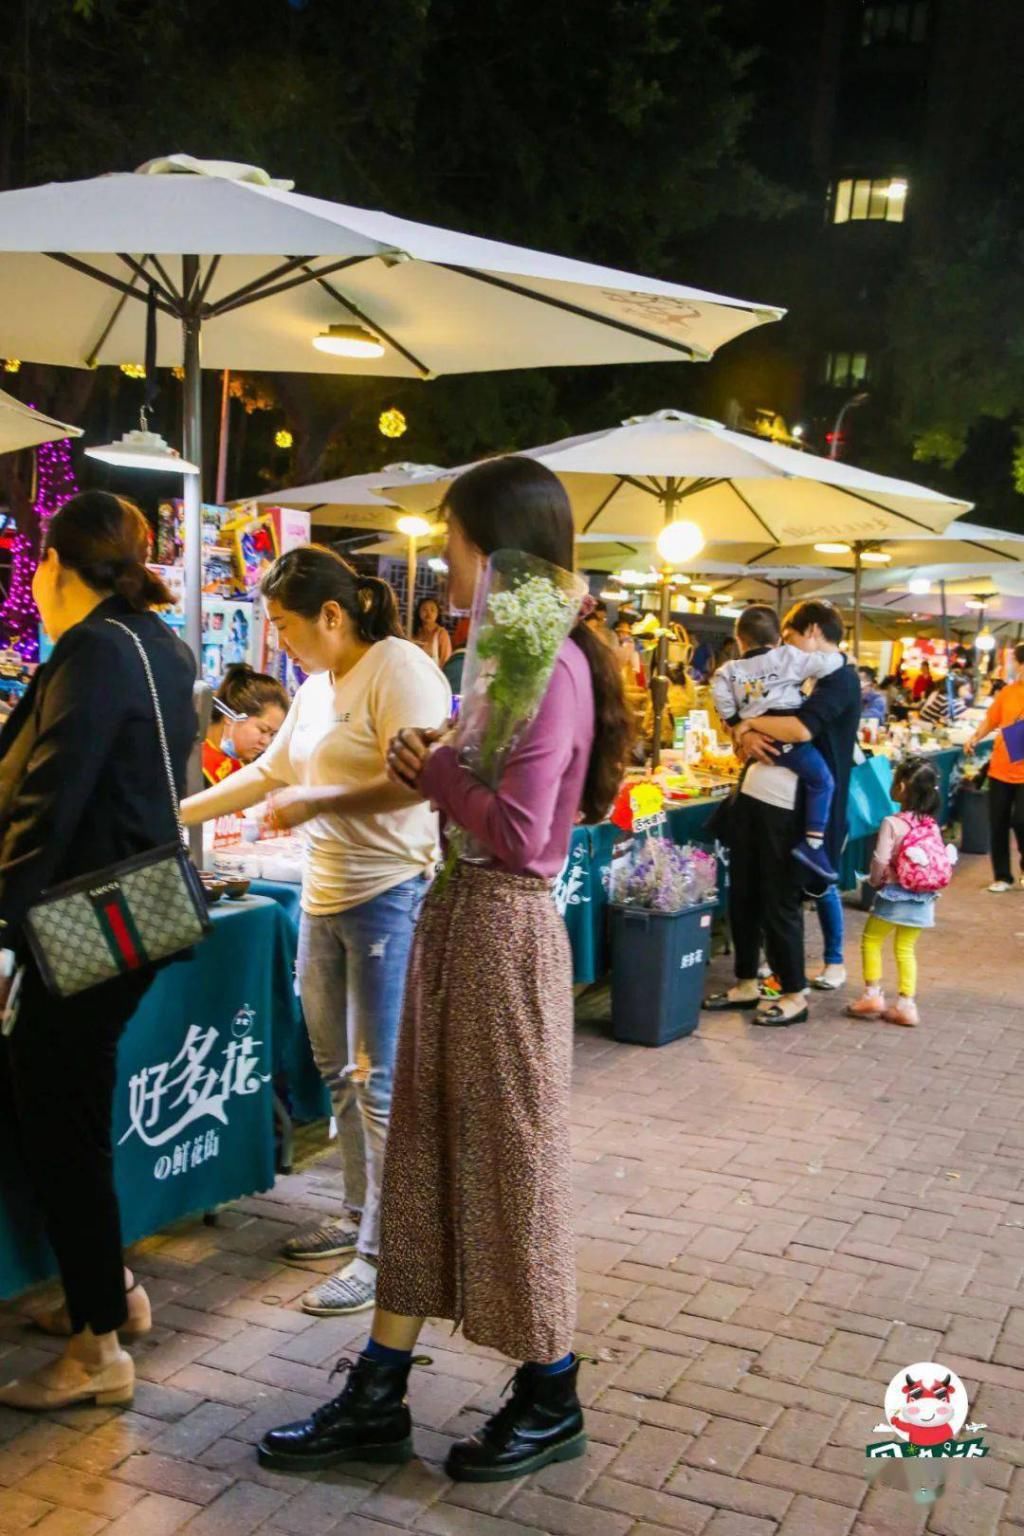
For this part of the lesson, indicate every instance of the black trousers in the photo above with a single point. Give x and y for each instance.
(1005, 810)
(57, 1076)
(764, 894)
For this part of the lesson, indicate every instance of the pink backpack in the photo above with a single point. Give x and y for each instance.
(922, 863)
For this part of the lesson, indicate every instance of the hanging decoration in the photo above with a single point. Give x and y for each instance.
(55, 484)
(12, 365)
(283, 439)
(392, 423)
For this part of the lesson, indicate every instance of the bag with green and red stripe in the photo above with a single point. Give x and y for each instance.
(126, 917)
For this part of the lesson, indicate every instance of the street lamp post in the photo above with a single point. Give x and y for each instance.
(848, 405)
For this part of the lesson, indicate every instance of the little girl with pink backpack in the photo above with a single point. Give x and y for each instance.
(911, 865)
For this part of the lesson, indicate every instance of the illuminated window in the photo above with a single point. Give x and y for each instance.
(894, 24)
(879, 198)
(846, 370)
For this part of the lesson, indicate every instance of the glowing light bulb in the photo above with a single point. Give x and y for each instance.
(679, 542)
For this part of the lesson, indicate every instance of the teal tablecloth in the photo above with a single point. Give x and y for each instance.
(299, 1084)
(193, 1115)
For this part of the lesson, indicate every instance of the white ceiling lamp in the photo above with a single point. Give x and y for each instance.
(680, 541)
(834, 549)
(414, 527)
(729, 613)
(920, 586)
(349, 341)
(438, 565)
(975, 602)
(875, 557)
(985, 641)
(701, 587)
(143, 449)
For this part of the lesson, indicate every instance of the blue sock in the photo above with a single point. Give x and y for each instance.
(555, 1368)
(385, 1356)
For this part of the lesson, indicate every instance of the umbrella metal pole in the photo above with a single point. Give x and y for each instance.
(858, 571)
(222, 440)
(192, 491)
(410, 598)
(945, 641)
(659, 683)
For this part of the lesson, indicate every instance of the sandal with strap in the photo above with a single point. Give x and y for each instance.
(721, 1002)
(777, 1017)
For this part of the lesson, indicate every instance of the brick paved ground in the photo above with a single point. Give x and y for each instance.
(770, 1225)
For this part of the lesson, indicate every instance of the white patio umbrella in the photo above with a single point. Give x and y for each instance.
(270, 279)
(358, 501)
(633, 480)
(23, 427)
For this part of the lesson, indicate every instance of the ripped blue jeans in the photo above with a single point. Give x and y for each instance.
(351, 969)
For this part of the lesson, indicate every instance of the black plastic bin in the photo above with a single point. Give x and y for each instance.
(658, 965)
(975, 833)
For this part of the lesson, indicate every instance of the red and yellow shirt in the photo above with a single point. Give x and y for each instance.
(217, 765)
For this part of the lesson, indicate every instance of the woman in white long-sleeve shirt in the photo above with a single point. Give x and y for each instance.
(369, 849)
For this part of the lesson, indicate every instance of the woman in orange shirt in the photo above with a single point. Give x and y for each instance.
(1005, 780)
(230, 744)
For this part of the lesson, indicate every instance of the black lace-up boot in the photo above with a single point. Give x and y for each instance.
(368, 1421)
(541, 1422)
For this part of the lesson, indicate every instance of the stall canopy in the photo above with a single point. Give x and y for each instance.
(625, 482)
(356, 501)
(267, 278)
(22, 427)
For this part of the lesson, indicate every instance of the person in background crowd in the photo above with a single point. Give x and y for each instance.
(729, 650)
(923, 684)
(703, 663)
(682, 697)
(477, 1205)
(897, 698)
(629, 657)
(230, 744)
(83, 786)
(873, 702)
(369, 849)
(897, 911)
(597, 619)
(765, 895)
(429, 633)
(948, 700)
(1005, 779)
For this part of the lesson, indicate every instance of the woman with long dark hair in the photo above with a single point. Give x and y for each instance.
(476, 1219)
(83, 786)
(367, 852)
(429, 633)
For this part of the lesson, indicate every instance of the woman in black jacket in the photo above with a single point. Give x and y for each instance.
(83, 786)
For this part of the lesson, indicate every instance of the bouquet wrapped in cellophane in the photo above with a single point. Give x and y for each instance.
(523, 611)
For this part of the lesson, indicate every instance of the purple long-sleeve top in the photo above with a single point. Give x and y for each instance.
(527, 821)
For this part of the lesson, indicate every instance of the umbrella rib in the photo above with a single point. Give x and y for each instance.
(128, 289)
(211, 273)
(616, 488)
(694, 353)
(998, 553)
(881, 507)
(754, 513)
(233, 299)
(354, 309)
(168, 283)
(240, 300)
(139, 269)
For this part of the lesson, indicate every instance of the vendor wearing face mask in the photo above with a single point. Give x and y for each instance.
(261, 703)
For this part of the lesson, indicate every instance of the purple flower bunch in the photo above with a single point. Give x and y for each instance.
(664, 877)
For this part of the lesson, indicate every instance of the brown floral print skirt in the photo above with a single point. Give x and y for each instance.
(476, 1208)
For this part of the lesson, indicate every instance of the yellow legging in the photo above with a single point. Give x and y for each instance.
(875, 932)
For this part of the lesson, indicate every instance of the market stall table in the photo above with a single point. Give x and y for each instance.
(193, 1112)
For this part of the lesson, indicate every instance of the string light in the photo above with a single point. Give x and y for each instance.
(283, 439)
(55, 484)
(12, 365)
(133, 370)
